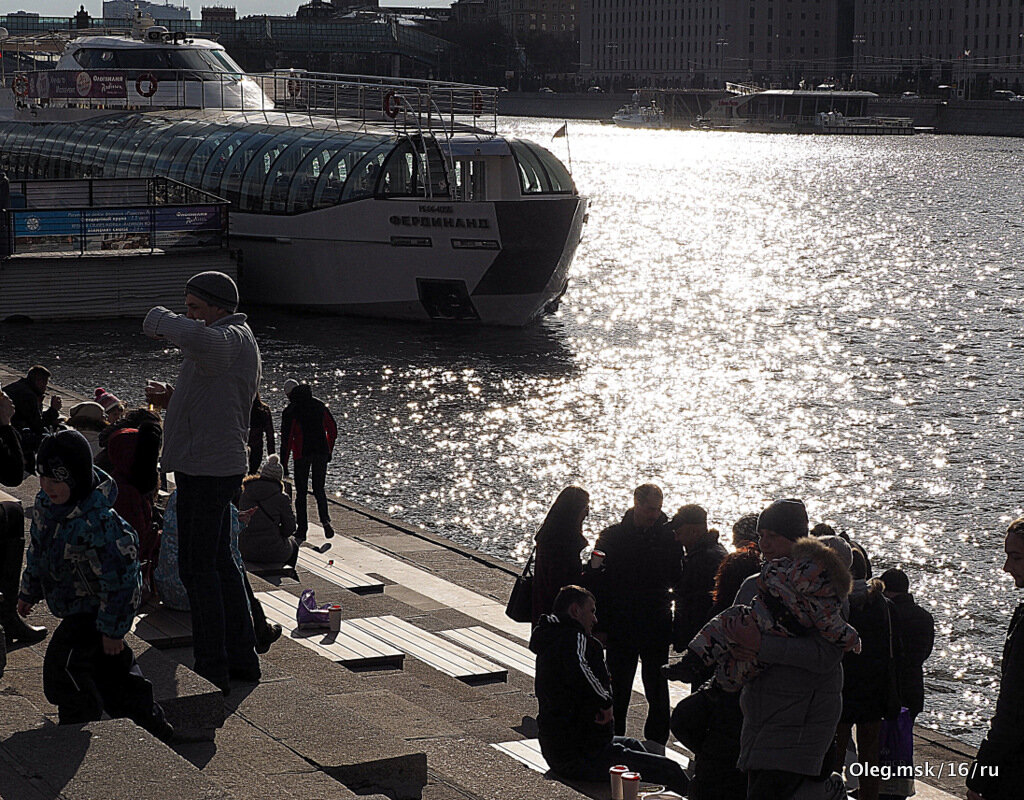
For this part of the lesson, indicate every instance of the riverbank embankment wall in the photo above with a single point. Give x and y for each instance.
(954, 117)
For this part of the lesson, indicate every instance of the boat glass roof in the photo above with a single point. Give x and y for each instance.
(261, 167)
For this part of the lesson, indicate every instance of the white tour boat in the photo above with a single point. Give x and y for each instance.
(349, 194)
(800, 111)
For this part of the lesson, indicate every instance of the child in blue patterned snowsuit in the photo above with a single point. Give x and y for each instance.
(83, 559)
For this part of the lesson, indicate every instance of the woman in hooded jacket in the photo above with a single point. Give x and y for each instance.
(267, 539)
(559, 542)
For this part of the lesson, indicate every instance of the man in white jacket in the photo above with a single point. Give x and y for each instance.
(205, 436)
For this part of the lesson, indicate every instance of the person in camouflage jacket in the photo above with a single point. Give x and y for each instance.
(83, 559)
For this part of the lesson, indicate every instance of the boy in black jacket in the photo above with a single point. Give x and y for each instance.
(574, 695)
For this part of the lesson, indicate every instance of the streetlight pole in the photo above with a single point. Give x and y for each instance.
(721, 44)
(613, 48)
(858, 40)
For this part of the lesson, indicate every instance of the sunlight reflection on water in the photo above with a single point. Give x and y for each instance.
(749, 317)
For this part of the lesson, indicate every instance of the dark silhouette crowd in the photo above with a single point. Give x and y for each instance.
(789, 645)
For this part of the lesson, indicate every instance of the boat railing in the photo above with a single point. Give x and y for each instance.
(100, 214)
(422, 105)
(404, 104)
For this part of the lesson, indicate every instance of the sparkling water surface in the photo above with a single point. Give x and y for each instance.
(749, 317)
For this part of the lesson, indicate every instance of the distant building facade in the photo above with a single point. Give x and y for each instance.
(218, 14)
(707, 42)
(125, 9)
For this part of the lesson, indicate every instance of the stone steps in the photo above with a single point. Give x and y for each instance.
(192, 704)
(95, 761)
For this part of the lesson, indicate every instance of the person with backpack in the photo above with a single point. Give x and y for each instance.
(308, 431)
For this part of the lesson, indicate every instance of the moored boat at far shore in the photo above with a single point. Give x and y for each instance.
(827, 111)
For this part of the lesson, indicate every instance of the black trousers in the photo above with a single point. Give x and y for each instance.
(622, 656)
(772, 784)
(303, 467)
(83, 682)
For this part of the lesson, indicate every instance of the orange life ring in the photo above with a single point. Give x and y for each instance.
(478, 103)
(392, 103)
(151, 78)
(20, 85)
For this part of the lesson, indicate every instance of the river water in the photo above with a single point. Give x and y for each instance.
(749, 317)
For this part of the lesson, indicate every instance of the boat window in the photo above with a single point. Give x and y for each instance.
(231, 182)
(199, 159)
(174, 157)
(334, 174)
(415, 168)
(225, 62)
(362, 179)
(160, 58)
(307, 174)
(470, 183)
(286, 172)
(145, 158)
(95, 58)
(261, 172)
(539, 171)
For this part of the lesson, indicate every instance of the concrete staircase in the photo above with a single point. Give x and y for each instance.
(311, 729)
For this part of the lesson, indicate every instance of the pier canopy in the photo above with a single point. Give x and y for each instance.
(260, 167)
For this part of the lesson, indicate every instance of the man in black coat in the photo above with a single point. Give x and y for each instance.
(998, 769)
(914, 629)
(12, 538)
(702, 554)
(27, 394)
(575, 700)
(308, 431)
(634, 590)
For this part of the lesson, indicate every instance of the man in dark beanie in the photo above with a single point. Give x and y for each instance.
(205, 436)
(214, 288)
(790, 711)
(702, 554)
(779, 525)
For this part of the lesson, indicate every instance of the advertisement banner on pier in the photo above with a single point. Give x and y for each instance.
(189, 218)
(65, 84)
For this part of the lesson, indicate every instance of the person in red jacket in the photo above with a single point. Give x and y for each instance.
(308, 431)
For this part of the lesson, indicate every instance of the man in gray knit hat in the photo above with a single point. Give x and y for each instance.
(205, 436)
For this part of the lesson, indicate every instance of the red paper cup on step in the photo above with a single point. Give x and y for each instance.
(630, 785)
